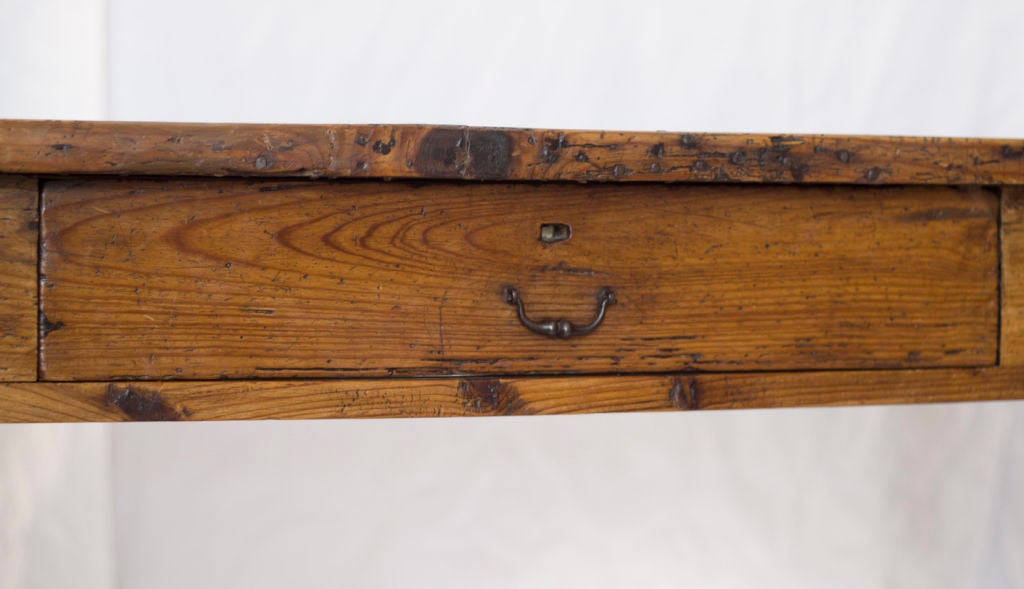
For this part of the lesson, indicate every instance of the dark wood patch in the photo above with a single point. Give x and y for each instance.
(465, 153)
(491, 396)
(425, 152)
(142, 404)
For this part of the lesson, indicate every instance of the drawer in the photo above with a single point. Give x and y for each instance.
(226, 278)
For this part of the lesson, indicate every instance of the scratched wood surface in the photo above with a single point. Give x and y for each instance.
(407, 151)
(205, 279)
(327, 399)
(19, 230)
(1011, 352)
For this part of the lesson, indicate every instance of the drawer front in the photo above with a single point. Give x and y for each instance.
(264, 279)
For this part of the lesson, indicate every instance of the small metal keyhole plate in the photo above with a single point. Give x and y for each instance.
(555, 232)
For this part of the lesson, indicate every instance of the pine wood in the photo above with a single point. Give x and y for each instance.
(246, 279)
(751, 271)
(19, 230)
(424, 152)
(1012, 332)
(328, 399)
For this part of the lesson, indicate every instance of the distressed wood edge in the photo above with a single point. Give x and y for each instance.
(20, 233)
(463, 397)
(1011, 328)
(468, 153)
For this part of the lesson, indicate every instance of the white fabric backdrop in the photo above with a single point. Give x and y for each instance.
(56, 509)
(864, 497)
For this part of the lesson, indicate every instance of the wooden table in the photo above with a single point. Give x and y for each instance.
(154, 271)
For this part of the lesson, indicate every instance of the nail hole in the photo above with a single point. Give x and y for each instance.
(555, 232)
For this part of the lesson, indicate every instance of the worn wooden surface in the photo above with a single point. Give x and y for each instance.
(316, 399)
(19, 228)
(250, 279)
(1011, 349)
(406, 151)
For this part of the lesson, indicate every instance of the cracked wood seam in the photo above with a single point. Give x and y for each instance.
(313, 399)
(438, 152)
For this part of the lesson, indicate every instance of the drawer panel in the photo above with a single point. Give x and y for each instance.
(158, 279)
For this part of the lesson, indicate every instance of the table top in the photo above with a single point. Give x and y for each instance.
(468, 153)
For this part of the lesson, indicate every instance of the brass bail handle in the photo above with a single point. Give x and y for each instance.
(560, 328)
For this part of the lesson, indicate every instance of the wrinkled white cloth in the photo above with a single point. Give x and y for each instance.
(866, 497)
(56, 507)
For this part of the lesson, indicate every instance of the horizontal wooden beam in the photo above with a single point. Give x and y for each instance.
(425, 152)
(456, 397)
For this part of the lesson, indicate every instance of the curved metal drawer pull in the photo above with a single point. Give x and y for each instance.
(560, 328)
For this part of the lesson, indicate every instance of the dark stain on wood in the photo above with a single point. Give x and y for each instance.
(384, 148)
(276, 187)
(441, 154)
(287, 146)
(551, 148)
(944, 214)
(685, 393)
(490, 154)
(565, 268)
(465, 153)
(142, 404)
(46, 327)
(873, 174)
(1010, 153)
(778, 155)
(491, 396)
(689, 141)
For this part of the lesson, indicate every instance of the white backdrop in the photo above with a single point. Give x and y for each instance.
(927, 496)
(56, 501)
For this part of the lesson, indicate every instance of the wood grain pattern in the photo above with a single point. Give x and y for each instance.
(19, 228)
(1011, 349)
(256, 279)
(406, 151)
(312, 399)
